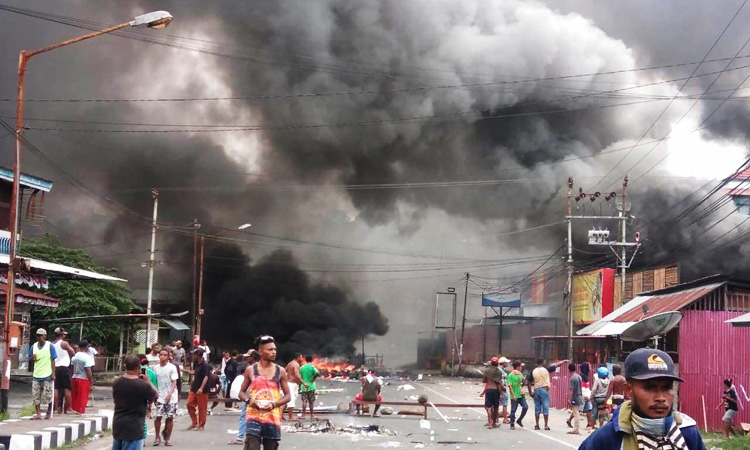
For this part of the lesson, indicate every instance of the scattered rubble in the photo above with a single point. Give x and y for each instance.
(325, 426)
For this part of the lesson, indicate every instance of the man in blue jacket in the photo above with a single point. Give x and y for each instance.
(647, 421)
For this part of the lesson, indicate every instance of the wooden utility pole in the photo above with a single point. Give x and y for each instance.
(463, 325)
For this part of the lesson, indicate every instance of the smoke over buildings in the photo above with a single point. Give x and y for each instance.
(337, 95)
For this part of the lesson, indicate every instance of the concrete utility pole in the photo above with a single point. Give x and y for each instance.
(463, 325)
(196, 225)
(623, 239)
(151, 263)
(622, 216)
(570, 268)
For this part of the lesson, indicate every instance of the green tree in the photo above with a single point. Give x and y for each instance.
(80, 297)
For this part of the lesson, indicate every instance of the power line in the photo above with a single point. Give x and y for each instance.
(661, 114)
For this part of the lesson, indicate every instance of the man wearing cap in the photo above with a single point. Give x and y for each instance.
(63, 382)
(647, 421)
(198, 396)
(43, 354)
(493, 384)
(504, 398)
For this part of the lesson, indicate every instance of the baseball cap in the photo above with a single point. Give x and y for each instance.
(504, 360)
(41, 331)
(648, 363)
(494, 361)
(60, 330)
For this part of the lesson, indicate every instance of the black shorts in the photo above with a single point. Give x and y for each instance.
(492, 398)
(63, 378)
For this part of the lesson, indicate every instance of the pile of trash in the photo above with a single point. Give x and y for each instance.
(318, 426)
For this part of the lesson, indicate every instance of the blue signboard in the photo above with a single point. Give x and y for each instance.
(498, 302)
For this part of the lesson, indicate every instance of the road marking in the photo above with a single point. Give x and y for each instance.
(538, 433)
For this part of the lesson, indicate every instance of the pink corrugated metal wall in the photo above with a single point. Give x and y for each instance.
(558, 395)
(710, 351)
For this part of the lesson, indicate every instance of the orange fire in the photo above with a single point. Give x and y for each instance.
(329, 368)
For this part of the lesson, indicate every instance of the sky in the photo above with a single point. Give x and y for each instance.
(393, 145)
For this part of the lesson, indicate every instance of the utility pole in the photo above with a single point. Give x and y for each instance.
(199, 320)
(364, 360)
(570, 268)
(155, 195)
(623, 239)
(463, 325)
(599, 237)
(196, 225)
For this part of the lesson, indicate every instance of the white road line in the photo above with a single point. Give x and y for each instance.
(538, 433)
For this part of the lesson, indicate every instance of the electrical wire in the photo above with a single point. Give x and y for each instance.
(664, 110)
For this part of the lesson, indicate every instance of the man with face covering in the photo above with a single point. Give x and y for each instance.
(647, 421)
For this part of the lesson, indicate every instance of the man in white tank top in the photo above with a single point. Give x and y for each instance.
(63, 382)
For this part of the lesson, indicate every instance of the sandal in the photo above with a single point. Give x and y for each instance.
(547, 429)
(157, 442)
(237, 442)
(536, 427)
(168, 444)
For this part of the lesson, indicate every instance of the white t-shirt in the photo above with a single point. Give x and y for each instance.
(153, 360)
(206, 351)
(92, 352)
(234, 390)
(165, 375)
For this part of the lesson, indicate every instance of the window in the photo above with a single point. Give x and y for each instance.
(743, 204)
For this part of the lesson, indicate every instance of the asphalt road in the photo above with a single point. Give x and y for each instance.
(464, 427)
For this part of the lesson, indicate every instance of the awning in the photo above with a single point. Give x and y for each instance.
(59, 268)
(29, 181)
(740, 321)
(30, 298)
(175, 324)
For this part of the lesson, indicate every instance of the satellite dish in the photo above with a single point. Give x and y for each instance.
(655, 325)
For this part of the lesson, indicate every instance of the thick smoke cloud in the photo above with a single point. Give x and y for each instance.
(400, 52)
(274, 297)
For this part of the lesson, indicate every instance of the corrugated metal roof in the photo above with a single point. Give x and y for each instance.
(26, 180)
(175, 324)
(674, 301)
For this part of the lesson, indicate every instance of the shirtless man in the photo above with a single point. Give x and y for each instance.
(294, 381)
(268, 393)
(618, 387)
(493, 385)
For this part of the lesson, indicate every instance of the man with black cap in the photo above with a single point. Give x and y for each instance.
(647, 421)
(198, 396)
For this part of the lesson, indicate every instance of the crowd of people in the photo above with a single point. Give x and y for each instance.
(61, 374)
(625, 409)
(633, 410)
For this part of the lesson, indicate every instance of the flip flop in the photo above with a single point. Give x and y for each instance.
(168, 444)
(157, 442)
(36, 418)
(237, 442)
(548, 428)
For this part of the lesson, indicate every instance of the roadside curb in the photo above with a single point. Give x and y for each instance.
(59, 434)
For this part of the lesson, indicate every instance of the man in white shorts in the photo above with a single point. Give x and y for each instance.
(166, 404)
(292, 373)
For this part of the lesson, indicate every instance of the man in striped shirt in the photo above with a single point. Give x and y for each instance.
(647, 421)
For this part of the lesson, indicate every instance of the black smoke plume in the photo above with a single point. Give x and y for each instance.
(274, 297)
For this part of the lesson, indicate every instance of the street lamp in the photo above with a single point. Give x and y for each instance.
(199, 313)
(156, 20)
